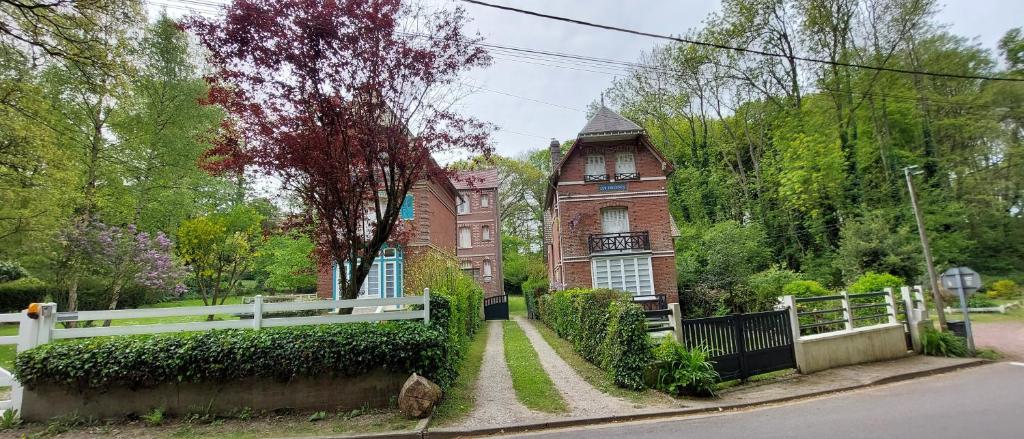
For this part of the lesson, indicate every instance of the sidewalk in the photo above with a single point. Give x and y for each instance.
(775, 391)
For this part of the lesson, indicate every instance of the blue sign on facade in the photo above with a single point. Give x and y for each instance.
(611, 187)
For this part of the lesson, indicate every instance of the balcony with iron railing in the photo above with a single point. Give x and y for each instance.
(595, 178)
(625, 241)
(627, 176)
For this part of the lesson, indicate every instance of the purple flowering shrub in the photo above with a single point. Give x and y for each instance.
(126, 255)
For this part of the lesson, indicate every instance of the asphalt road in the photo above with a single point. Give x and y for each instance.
(982, 402)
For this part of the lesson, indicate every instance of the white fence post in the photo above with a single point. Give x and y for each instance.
(426, 306)
(890, 302)
(794, 317)
(847, 311)
(919, 295)
(257, 311)
(677, 321)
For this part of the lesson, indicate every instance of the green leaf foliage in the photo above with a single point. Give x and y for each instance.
(804, 288)
(15, 296)
(684, 372)
(604, 327)
(219, 356)
(943, 344)
(872, 282)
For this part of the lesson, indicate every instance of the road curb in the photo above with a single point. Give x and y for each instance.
(443, 433)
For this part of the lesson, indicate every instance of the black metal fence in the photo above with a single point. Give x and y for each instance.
(619, 241)
(743, 345)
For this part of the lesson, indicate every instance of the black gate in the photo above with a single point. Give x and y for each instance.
(496, 307)
(743, 345)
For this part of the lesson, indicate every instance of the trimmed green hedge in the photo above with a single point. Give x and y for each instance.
(226, 355)
(604, 327)
(16, 295)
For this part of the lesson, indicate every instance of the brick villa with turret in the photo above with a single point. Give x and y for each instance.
(606, 217)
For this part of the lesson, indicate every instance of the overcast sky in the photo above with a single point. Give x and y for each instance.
(528, 124)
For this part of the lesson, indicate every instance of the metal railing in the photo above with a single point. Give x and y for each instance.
(627, 176)
(593, 178)
(845, 312)
(619, 241)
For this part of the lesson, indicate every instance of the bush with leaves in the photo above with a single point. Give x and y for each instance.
(804, 288)
(1003, 289)
(768, 285)
(604, 327)
(682, 371)
(11, 271)
(872, 282)
(221, 356)
(462, 295)
(15, 296)
(943, 344)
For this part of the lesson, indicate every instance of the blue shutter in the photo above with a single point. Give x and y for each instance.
(406, 212)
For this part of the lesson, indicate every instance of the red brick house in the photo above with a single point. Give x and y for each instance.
(479, 230)
(430, 206)
(606, 217)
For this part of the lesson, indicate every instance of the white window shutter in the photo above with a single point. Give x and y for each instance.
(625, 163)
(595, 165)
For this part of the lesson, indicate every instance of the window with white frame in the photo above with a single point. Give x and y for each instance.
(371, 285)
(463, 202)
(485, 233)
(487, 270)
(626, 273)
(465, 237)
(595, 165)
(625, 163)
(614, 220)
(485, 200)
(390, 280)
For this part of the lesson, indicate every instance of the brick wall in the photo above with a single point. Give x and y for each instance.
(481, 250)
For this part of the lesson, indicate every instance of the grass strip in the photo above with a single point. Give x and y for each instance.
(533, 386)
(594, 375)
(461, 396)
(516, 305)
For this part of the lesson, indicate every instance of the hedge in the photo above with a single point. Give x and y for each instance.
(15, 296)
(604, 327)
(219, 356)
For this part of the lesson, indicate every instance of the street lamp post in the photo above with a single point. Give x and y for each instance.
(937, 297)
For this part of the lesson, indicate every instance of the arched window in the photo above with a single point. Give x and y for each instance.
(487, 270)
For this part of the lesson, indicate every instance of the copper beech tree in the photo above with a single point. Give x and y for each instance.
(344, 102)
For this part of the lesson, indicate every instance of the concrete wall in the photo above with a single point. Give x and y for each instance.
(862, 345)
(376, 389)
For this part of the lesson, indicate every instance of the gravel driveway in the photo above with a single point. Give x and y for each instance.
(1005, 337)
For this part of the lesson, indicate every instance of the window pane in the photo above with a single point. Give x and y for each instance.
(390, 283)
(614, 220)
(595, 165)
(486, 232)
(465, 238)
(624, 163)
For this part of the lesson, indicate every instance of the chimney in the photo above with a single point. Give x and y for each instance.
(556, 154)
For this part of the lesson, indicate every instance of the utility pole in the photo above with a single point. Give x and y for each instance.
(939, 305)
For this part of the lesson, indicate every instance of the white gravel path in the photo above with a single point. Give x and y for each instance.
(496, 403)
(584, 400)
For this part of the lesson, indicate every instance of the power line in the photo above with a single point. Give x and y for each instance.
(740, 49)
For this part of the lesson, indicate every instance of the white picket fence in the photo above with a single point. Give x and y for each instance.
(44, 328)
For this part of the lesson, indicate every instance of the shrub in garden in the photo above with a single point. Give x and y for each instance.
(872, 282)
(604, 327)
(626, 349)
(767, 285)
(16, 295)
(943, 344)
(979, 301)
(461, 295)
(221, 356)
(804, 288)
(1003, 289)
(11, 271)
(684, 372)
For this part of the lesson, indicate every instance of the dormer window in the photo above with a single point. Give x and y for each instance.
(595, 169)
(625, 166)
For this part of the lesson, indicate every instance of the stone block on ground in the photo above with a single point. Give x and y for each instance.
(418, 397)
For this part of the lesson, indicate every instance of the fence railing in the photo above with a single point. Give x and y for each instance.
(845, 311)
(43, 328)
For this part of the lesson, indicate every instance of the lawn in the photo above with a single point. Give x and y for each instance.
(533, 386)
(7, 352)
(516, 305)
(459, 399)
